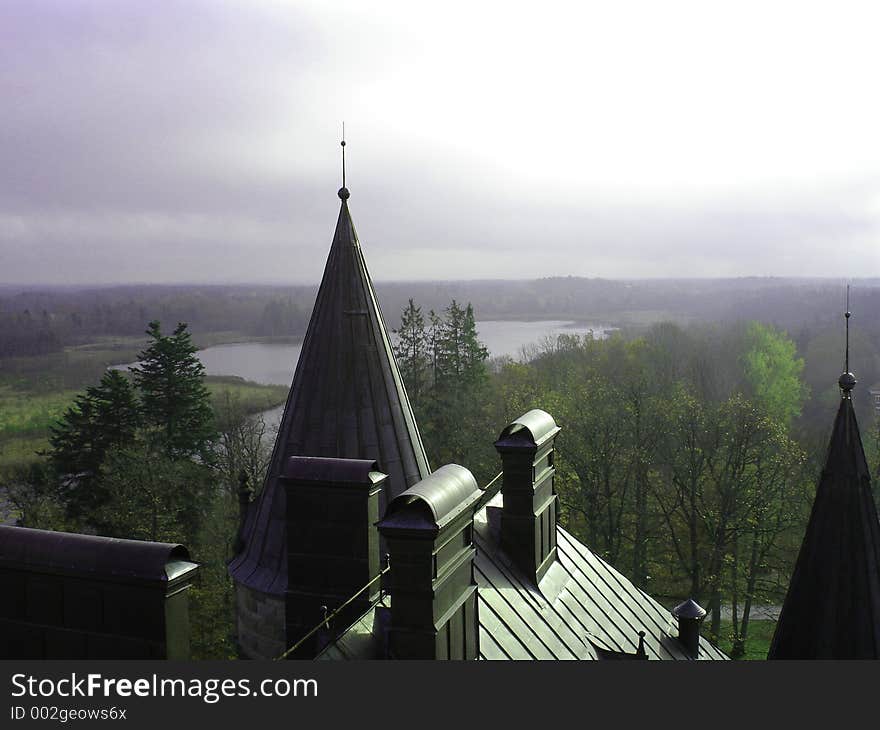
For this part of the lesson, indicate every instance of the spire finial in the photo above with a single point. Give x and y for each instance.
(343, 191)
(847, 381)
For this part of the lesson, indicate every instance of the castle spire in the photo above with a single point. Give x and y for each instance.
(347, 400)
(343, 191)
(832, 608)
(847, 381)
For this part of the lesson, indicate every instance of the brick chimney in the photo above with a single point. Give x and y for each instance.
(528, 520)
(332, 543)
(428, 530)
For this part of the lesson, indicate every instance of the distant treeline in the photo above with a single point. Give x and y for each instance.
(39, 322)
(36, 321)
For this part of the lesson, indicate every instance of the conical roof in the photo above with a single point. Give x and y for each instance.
(347, 400)
(832, 609)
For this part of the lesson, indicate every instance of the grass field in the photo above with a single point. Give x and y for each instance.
(35, 392)
(758, 641)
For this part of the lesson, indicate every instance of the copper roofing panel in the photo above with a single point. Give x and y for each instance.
(24, 548)
(832, 608)
(347, 400)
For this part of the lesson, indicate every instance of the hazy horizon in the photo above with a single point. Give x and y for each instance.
(870, 281)
(199, 143)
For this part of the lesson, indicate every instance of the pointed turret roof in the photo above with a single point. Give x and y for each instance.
(347, 400)
(832, 609)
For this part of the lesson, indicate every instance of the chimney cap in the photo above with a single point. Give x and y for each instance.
(321, 469)
(530, 429)
(447, 493)
(689, 609)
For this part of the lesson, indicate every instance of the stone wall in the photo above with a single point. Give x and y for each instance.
(261, 624)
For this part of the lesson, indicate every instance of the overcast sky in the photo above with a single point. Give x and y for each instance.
(199, 141)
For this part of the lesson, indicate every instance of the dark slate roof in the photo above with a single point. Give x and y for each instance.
(583, 609)
(91, 556)
(832, 609)
(347, 400)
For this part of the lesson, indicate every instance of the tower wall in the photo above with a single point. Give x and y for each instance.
(260, 623)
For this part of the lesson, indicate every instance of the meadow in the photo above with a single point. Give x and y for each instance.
(36, 391)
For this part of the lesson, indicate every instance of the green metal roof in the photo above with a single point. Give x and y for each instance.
(582, 601)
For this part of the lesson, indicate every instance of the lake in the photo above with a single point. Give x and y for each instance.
(274, 364)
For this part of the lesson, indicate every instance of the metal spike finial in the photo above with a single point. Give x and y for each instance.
(343, 191)
(847, 381)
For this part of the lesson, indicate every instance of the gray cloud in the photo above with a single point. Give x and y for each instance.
(198, 143)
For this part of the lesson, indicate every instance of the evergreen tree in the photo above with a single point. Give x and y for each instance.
(444, 368)
(106, 415)
(474, 353)
(175, 403)
(411, 351)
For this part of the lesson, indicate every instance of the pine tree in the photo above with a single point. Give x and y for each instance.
(175, 403)
(106, 416)
(474, 352)
(450, 357)
(411, 351)
(458, 390)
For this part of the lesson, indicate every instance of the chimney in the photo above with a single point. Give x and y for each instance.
(528, 520)
(428, 530)
(332, 544)
(690, 615)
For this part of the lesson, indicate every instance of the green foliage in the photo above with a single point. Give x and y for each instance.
(33, 494)
(773, 371)
(26, 414)
(668, 464)
(175, 404)
(411, 352)
(444, 365)
(106, 415)
(760, 636)
(151, 496)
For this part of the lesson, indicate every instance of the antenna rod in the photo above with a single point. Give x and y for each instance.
(343, 154)
(847, 315)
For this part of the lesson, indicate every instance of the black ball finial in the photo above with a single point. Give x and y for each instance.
(344, 194)
(847, 382)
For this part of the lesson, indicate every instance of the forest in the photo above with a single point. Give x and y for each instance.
(690, 448)
(681, 460)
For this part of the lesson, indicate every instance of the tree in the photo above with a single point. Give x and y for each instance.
(106, 416)
(243, 446)
(772, 371)
(461, 357)
(444, 368)
(176, 405)
(770, 509)
(411, 351)
(152, 496)
(592, 444)
(32, 490)
(682, 460)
